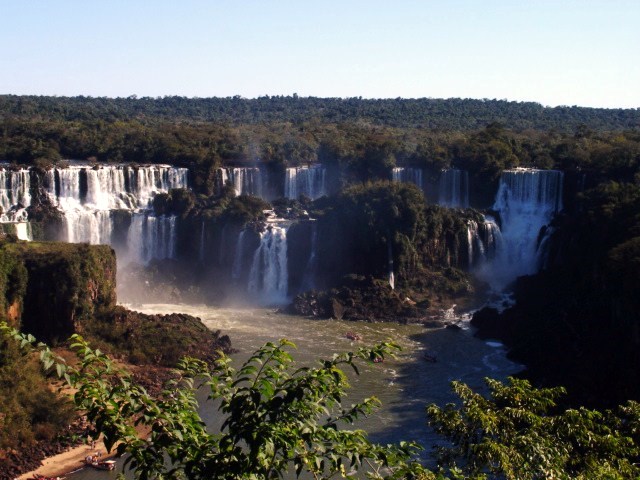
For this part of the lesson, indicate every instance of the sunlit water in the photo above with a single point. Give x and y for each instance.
(405, 385)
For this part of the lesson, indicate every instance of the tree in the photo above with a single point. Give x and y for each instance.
(519, 433)
(278, 416)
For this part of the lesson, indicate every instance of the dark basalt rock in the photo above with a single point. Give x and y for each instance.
(158, 339)
(360, 298)
(490, 324)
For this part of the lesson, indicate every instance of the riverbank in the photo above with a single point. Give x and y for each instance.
(67, 453)
(66, 462)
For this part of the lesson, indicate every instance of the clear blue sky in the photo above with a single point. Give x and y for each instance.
(562, 52)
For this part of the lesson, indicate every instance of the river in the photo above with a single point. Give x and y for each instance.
(405, 385)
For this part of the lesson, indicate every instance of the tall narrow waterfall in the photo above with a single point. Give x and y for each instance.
(245, 180)
(308, 181)
(392, 278)
(408, 174)
(268, 278)
(527, 200)
(14, 195)
(309, 276)
(483, 241)
(454, 188)
(236, 268)
(151, 237)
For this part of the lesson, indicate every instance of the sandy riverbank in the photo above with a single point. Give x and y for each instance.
(66, 462)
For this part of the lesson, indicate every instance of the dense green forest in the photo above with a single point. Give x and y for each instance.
(602, 144)
(428, 113)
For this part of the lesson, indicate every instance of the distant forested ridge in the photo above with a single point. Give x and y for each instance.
(442, 114)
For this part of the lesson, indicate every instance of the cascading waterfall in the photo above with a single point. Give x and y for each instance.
(87, 196)
(14, 195)
(308, 181)
(245, 180)
(268, 279)
(544, 249)
(473, 243)
(236, 268)
(112, 187)
(151, 237)
(483, 241)
(527, 200)
(454, 188)
(408, 174)
(308, 278)
(23, 231)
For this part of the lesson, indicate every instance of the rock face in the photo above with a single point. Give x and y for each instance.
(57, 287)
(53, 290)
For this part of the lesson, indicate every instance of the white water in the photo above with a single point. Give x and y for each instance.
(527, 200)
(308, 278)
(309, 181)
(14, 195)
(245, 180)
(454, 188)
(151, 237)
(408, 175)
(236, 268)
(88, 215)
(483, 241)
(269, 279)
(23, 231)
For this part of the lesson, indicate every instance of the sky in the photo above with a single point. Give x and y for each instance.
(555, 52)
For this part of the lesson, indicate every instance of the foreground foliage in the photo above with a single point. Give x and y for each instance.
(279, 419)
(519, 433)
(29, 411)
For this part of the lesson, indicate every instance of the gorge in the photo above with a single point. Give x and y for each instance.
(276, 258)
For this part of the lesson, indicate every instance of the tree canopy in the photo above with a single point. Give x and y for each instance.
(279, 417)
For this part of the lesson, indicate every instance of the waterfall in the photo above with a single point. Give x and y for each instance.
(527, 200)
(408, 174)
(268, 278)
(151, 237)
(544, 249)
(454, 188)
(309, 181)
(245, 180)
(87, 195)
(23, 231)
(483, 240)
(236, 269)
(14, 195)
(392, 280)
(472, 241)
(308, 278)
(88, 226)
